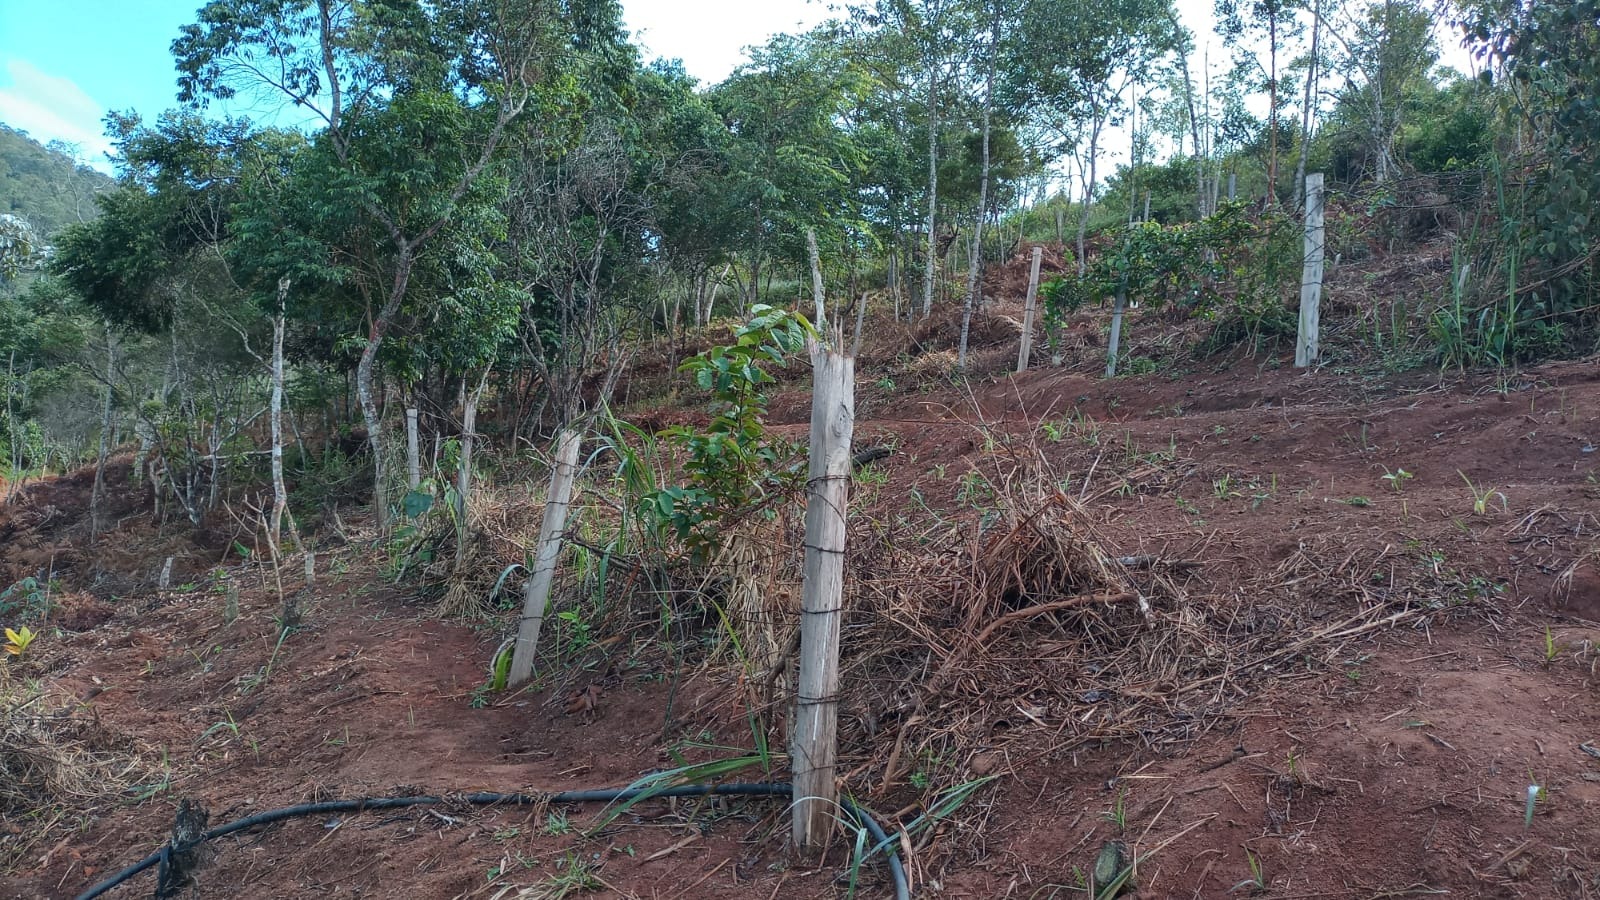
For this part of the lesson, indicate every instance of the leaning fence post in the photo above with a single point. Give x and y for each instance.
(536, 592)
(1305, 347)
(813, 738)
(1028, 311)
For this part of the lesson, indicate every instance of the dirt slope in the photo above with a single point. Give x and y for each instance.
(1396, 766)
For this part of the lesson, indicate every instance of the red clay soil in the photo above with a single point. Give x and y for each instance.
(1399, 770)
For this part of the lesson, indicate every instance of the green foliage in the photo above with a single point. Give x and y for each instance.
(26, 599)
(1232, 266)
(1545, 190)
(732, 465)
(48, 186)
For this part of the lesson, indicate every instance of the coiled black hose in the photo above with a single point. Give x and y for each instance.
(902, 888)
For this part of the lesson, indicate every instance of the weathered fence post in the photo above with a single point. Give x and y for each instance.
(1115, 344)
(413, 451)
(1305, 347)
(536, 591)
(816, 277)
(813, 736)
(1028, 311)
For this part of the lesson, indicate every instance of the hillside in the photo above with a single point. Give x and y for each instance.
(1342, 683)
(44, 185)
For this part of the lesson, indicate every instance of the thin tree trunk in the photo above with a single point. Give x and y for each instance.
(933, 189)
(1088, 193)
(469, 425)
(1272, 113)
(280, 493)
(97, 494)
(11, 426)
(1306, 110)
(367, 396)
(976, 262)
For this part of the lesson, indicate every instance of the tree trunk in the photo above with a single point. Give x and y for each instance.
(1272, 112)
(97, 494)
(11, 427)
(366, 396)
(1194, 124)
(1088, 193)
(1305, 112)
(976, 262)
(280, 493)
(469, 425)
(933, 190)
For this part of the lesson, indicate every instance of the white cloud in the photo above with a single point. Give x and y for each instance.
(710, 35)
(51, 108)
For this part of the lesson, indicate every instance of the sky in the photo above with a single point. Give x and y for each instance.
(65, 63)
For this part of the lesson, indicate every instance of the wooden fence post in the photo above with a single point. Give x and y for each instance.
(813, 737)
(816, 278)
(413, 451)
(1305, 348)
(1117, 309)
(1028, 311)
(536, 591)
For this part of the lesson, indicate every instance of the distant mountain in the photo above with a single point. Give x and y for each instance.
(45, 185)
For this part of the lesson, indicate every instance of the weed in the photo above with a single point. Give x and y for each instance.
(1397, 479)
(973, 488)
(1358, 502)
(1481, 497)
(572, 623)
(885, 384)
(1257, 881)
(228, 725)
(1222, 488)
(573, 875)
(873, 475)
(500, 666)
(1261, 496)
(557, 823)
(26, 599)
(18, 642)
(1118, 814)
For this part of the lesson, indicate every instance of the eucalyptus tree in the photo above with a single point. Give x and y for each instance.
(413, 101)
(1246, 23)
(926, 34)
(1388, 50)
(797, 164)
(1081, 58)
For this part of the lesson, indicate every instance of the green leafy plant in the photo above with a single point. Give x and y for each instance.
(1257, 881)
(28, 598)
(1482, 496)
(18, 641)
(732, 465)
(1397, 479)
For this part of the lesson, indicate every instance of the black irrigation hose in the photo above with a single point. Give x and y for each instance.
(757, 789)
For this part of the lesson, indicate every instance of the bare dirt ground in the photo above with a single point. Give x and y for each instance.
(1393, 761)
